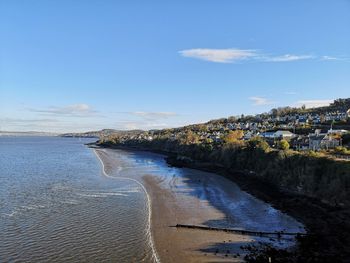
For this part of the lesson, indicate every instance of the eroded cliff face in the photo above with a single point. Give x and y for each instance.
(319, 177)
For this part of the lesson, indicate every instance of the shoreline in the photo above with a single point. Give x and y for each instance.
(327, 226)
(190, 245)
(149, 202)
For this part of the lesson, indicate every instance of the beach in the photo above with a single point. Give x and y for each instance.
(191, 197)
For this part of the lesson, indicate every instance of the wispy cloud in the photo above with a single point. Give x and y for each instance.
(260, 101)
(329, 58)
(22, 124)
(231, 55)
(78, 110)
(287, 58)
(333, 58)
(219, 55)
(313, 103)
(18, 120)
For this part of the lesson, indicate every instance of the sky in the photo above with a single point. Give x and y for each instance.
(72, 66)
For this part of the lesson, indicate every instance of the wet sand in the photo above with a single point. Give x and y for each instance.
(186, 245)
(185, 196)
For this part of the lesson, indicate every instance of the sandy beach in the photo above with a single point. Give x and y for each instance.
(188, 245)
(186, 196)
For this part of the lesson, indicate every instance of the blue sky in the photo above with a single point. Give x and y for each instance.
(87, 65)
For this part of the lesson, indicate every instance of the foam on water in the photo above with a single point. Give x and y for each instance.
(149, 232)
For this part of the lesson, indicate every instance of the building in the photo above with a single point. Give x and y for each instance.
(339, 132)
(283, 134)
(300, 143)
(318, 141)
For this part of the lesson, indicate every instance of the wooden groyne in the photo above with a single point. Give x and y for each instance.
(277, 234)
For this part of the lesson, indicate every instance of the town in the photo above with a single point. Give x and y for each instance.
(323, 129)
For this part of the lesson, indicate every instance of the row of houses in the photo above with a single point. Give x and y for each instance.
(280, 122)
(312, 117)
(313, 141)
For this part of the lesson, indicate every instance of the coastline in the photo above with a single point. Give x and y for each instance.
(327, 226)
(189, 245)
(185, 245)
(149, 202)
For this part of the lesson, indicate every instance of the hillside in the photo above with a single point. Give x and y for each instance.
(101, 133)
(311, 185)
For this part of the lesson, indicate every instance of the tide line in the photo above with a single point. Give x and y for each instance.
(149, 232)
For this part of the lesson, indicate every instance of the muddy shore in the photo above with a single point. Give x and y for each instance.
(180, 200)
(328, 227)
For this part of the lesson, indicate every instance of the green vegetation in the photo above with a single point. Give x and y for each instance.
(342, 150)
(225, 143)
(308, 173)
(234, 138)
(284, 145)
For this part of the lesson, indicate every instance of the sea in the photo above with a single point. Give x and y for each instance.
(56, 205)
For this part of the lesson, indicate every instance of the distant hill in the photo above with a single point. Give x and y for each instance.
(99, 134)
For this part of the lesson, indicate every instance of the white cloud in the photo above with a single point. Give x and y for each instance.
(260, 101)
(313, 103)
(329, 58)
(56, 124)
(70, 110)
(231, 55)
(332, 58)
(25, 121)
(288, 57)
(219, 55)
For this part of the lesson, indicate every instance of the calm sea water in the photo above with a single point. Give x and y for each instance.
(57, 206)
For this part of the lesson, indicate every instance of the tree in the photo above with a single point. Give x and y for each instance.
(202, 128)
(346, 139)
(189, 138)
(284, 145)
(233, 137)
(258, 143)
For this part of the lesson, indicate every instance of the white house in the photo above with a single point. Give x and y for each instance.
(340, 132)
(284, 134)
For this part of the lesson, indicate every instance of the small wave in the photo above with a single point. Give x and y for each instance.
(129, 191)
(149, 207)
(10, 214)
(70, 202)
(23, 208)
(120, 190)
(102, 195)
(31, 207)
